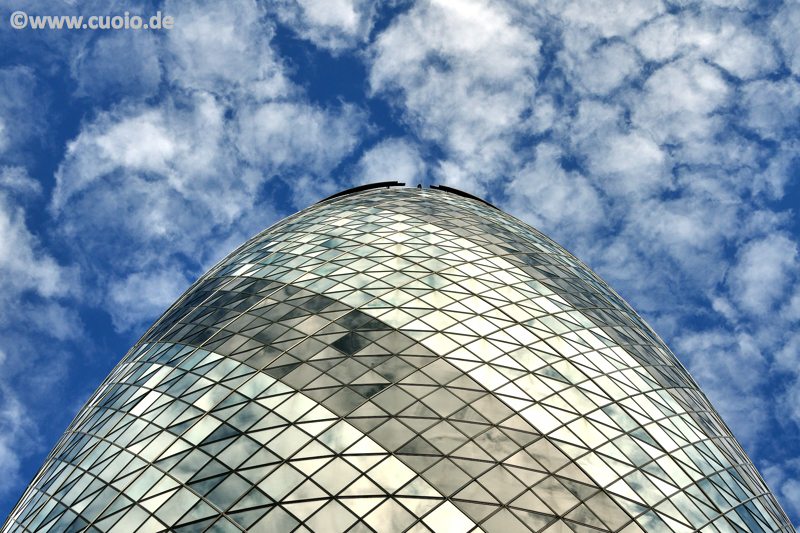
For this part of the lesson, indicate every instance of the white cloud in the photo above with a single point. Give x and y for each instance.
(332, 24)
(678, 101)
(764, 270)
(119, 63)
(773, 180)
(15, 180)
(223, 48)
(464, 75)
(58, 320)
(784, 26)
(390, 160)
(338, 13)
(179, 171)
(772, 107)
(547, 196)
(24, 266)
(630, 164)
(280, 135)
(307, 189)
(601, 70)
(720, 37)
(678, 248)
(129, 150)
(36, 288)
(605, 19)
(143, 295)
(593, 120)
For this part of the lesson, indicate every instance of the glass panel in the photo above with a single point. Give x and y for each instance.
(391, 474)
(448, 519)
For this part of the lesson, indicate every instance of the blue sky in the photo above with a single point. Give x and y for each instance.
(657, 141)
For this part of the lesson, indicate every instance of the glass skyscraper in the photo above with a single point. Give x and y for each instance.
(398, 360)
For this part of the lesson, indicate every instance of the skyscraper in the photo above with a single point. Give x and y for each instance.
(393, 360)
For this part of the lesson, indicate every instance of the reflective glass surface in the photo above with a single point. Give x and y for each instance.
(398, 360)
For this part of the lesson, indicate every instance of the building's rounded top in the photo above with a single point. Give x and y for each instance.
(365, 187)
(399, 360)
(389, 184)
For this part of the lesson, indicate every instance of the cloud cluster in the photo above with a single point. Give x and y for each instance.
(464, 75)
(391, 160)
(335, 25)
(145, 185)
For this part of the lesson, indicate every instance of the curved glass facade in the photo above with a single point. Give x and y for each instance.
(398, 360)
